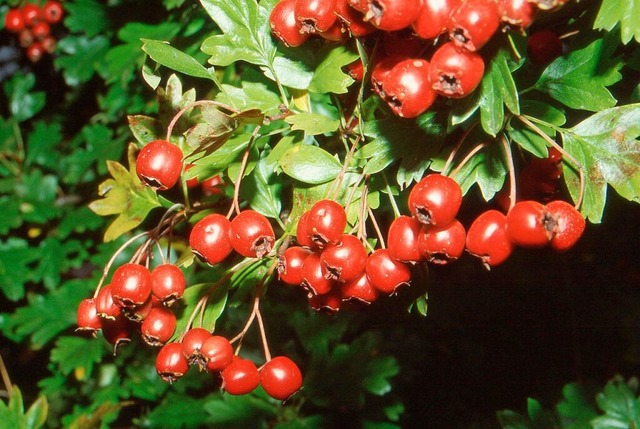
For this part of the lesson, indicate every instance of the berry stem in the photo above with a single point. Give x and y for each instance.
(377, 228)
(190, 106)
(5, 377)
(525, 120)
(243, 166)
(334, 189)
(466, 159)
(392, 201)
(512, 171)
(454, 152)
(107, 267)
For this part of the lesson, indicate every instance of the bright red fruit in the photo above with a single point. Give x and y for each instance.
(517, 13)
(473, 23)
(455, 72)
(290, 265)
(284, 24)
(105, 306)
(14, 21)
(117, 332)
(40, 30)
(171, 363)
(442, 244)
(381, 70)
(487, 238)
(240, 377)
(192, 346)
(315, 16)
(345, 260)
(159, 164)
(158, 327)
(568, 225)
(87, 316)
(167, 283)
(359, 290)
(209, 239)
(402, 239)
(52, 11)
(407, 90)
(251, 234)
(385, 273)
(35, 52)
(353, 19)
(433, 18)
(303, 232)
(326, 223)
(131, 285)
(435, 200)
(280, 378)
(218, 353)
(314, 279)
(528, 224)
(391, 15)
(32, 14)
(328, 303)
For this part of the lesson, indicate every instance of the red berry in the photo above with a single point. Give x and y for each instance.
(35, 52)
(167, 283)
(407, 90)
(402, 239)
(433, 18)
(442, 244)
(355, 70)
(40, 30)
(284, 24)
(435, 200)
(359, 290)
(32, 14)
(385, 273)
(117, 332)
(326, 223)
(14, 21)
(303, 232)
(290, 265)
(548, 4)
(240, 377)
(328, 303)
(87, 316)
(473, 23)
(314, 279)
(353, 19)
(105, 306)
(49, 44)
(455, 72)
(381, 70)
(336, 33)
(193, 182)
(251, 234)
(360, 5)
(212, 186)
(315, 16)
(217, 352)
(192, 346)
(344, 261)
(52, 11)
(139, 312)
(171, 363)
(209, 239)
(131, 285)
(391, 15)
(25, 38)
(159, 164)
(527, 224)
(517, 13)
(543, 47)
(158, 327)
(280, 378)
(487, 239)
(568, 225)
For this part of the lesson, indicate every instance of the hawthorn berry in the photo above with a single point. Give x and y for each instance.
(280, 378)
(192, 346)
(473, 23)
(435, 200)
(528, 224)
(326, 223)
(105, 305)
(543, 46)
(455, 72)
(353, 19)
(52, 11)
(159, 164)
(284, 24)
(313, 275)
(87, 316)
(217, 352)
(290, 265)
(240, 377)
(32, 14)
(518, 14)
(328, 303)
(158, 327)
(315, 16)
(345, 260)
(14, 21)
(433, 18)
(131, 285)
(359, 290)
(251, 234)
(117, 332)
(35, 52)
(138, 313)
(407, 90)
(402, 239)
(391, 15)
(569, 225)
(385, 273)
(210, 240)
(167, 283)
(442, 244)
(171, 363)
(487, 239)
(40, 30)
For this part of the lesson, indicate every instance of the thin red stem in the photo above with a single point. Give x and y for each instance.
(467, 158)
(512, 171)
(456, 148)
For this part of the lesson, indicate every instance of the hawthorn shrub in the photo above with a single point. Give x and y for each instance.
(378, 214)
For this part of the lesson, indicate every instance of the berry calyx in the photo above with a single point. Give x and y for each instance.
(326, 223)
(435, 200)
(473, 23)
(455, 72)
(251, 234)
(280, 378)
(87, 316)
(131, 285)
(158, 327)
(442, 244)
(52, 11)
(171, 363)
(159, 164)
(192, 346)
(315, 16)
(345, 260)
(167, 283)
(407, 90)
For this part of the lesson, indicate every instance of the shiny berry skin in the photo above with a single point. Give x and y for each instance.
(352, 19)
(315, 16)
(14, 21)
(314, 279)
(167, 283)
(326, 223)
(303, 232)
(402, 239)
(336, 33)
(251, 234)
(442, 244)
(433, 18)
(403, 43)
(192, 346)
(87, 317)
(473, 23)
(171, 363)
(105, 306)
(52, 12)
(391, 15)
(158, 327)
(381, 70)
(355, 70)
(32, 14)
(212, 186)
(543, 47)
(407, 90)
(518, 14)
(159, 164)
(455, 72)
(568, 225)
(385, 273)
(218, 353)
(290, 265)
(344, 261)
(487, 239)
(548, 4)
(35, 52)
(240, 377)
(360, 5)
(285, 26)
(359, 290)
(328, 303)
(280, 378)
(435, 200)
(131, 285)
(40, 30)
(209, 239)
(527, 224)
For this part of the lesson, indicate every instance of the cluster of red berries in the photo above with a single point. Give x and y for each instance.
(32, 24)
(448, 32)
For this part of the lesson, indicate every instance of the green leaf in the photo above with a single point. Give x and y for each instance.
(24, 104)
(86, 16)
(525, 137)
(178, 411)
(580, 79)
(94, 145)
(620, 12)
(380, 370)
(575, 410)
(41, 145)
(262, 189)
(511, 420)
(329, 75)
(606, 145)
(621, 407)
(246, 411)
(145, 128)
(38, 193)
(81, 57)
(216, 302)
(77, 354)
(36, 415)
(170, 57)
(310, 164)
(125, 196)
(56, 258)
(15, 271)
(255, 92)
(312, 123)
(216, 162)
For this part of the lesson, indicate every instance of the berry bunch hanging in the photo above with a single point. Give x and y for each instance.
(32, 24)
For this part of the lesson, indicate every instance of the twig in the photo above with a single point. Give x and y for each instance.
(512, 171)
(5, 377)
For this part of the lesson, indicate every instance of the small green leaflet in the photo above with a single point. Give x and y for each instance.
(23, 103)
(262, 189)
(310, 164)
(125, 196)
(576, 409)
(329, 75)
(170, 57)
(81, 57)
(606, 145)
(86, 16)
(77, 353)
(144, 128)
(580, 79)
(623, 12)
(15, 271)
(525, 137)
(12, 414)
(216, 302)
(621, 407)
(312, 123)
